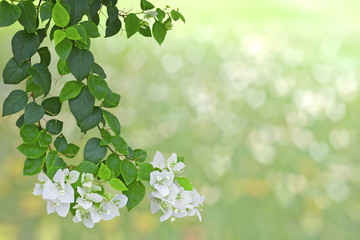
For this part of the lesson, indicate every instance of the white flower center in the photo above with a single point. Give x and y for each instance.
(167, 177)
(159, 178)
(172, 219)
(176, 210)
(56, 204)
(62, 192)
(108, 212)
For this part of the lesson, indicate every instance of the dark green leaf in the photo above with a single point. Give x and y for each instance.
(113, 122)
(44, 139)
(144, 172)
(63, 49)
(106, 137)
(132, 24)
(28, 16)
(87, 167)
(32, 150)
(33, 113)
(97, 86)
(24, 45)
(33, 166)
(41, 76)
(117, 184)
(54, 161)
(15, 102)
(71, 150)
(120, 144)
(145, 5)
(113, 162)
(13, 73)
(145, 31)
(42, 34)
(80, 63)
(135, 194)
(112, 28)
(29, 133)
(20, 121)
(93, 152)
(104, 172)
(46, 10)
(112, 12)
(160, 15)
(54, 126)
(111, 100)
(159, 32)
(82, 105)
(139, 155)
(52, 106)
(98, 70)
(185, 183)
(70, 90)
(128, 171)
(91, 120)
(60, 143)
(45, 56)
(60, 15)
(8, 14)
(78, 9)
(91, 29)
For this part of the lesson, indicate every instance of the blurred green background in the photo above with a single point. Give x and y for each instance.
(260, 97)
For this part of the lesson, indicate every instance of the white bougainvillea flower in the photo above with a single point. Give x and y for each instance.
(87, 180)
(173, 165)
(59, 188)
(39, 187)
(109, 210)
(150, 14)
(71, 176)
(61, 208)
(159, 161)
(84, 216)
(161, 181)
(86, 199)
(119, 200)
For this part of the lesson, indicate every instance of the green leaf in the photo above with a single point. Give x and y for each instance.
(52, 106)
(160, 15)
(54, 126)
(33, 113)
(59, 35)
(128, 171)
(111, 100)
(70, 90)
(83, 36)
(80, 63)
(144, 172)
(20, 121)
(71, 150)
(106, 137)
(145, 31)
(135, 194)
(113, 122)
(13, 73)
(54, 161)
(91, 29)
(117, 184)
(46, 10)
(159, 32)
(78, 9)
(132, 24)
(145, 5)
(15, 102)
(104, 172)
(60, 143)
(120, 145)
(72, 33)
(113, 12)
(28, 16)
(45, 56)
(87, 167)
(112, 28)
(91, 120)
(44, 139)
(93, 152)
(98, 70)
(63, 49)
(32, 150)
(29, 133)
(175, 15)
(185, 183)
(82, 105)
(60, 15)
(33, 166)
(97, 86)
(8, 14)
(113, 162)
(24, 45)
(34, 89)
(180, 159)
(41, 76)
(63, 67)
(139, 155)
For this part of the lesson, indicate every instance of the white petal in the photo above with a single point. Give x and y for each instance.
(95, 215)
(94, 197)
(66, 172)
(50, 207)
(178, 167)
(68, 197)
(74, 176)
(81, 191)
(198, 214)
(59, 177)
(120, 200)
(110, 211)
(163, 190)
(84, 203)
(167, 215)
(38, 190)
(153, 177)
(63, 209)
(50, 190)
(88, 222)
(171, 160)
(42, 177)
(154, 206)
(76, 219)
(158, 161)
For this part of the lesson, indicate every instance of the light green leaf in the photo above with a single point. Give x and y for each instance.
(159, 32)
(117, 184)
(72, 33)
(70, 90)
(60, 15)
(144, 172)
(44, 138)
(63, 49)
(185, 183)
(128, 171)
(132, 24)
(91, 29)
(104, 172)
(59, 35)
(29, 133)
